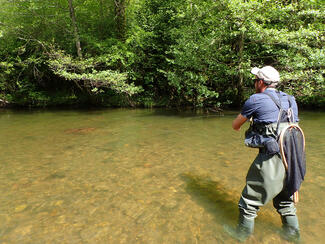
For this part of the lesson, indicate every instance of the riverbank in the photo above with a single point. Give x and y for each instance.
(317, 103)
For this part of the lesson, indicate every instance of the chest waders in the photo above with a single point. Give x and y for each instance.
(265, 181)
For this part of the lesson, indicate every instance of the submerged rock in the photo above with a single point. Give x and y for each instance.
(20, 208)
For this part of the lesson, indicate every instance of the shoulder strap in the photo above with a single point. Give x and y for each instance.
(289, 100)
(291, 115)
(277, 102)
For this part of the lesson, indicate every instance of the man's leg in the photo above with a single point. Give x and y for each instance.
(247, 214)
(286, 208)
(263, 182)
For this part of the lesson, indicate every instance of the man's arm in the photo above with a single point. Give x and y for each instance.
(238, 122)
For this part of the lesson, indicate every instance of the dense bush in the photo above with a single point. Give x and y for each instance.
(158, 53)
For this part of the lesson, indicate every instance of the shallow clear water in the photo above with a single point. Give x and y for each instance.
(138, 176)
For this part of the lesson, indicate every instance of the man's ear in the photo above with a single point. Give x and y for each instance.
(262, 84)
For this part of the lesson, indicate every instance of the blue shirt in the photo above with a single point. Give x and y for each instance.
(262, 109)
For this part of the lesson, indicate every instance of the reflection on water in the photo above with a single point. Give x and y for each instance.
(138, 176)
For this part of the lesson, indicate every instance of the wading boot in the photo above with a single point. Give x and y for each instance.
(244, 229)
(290, 228)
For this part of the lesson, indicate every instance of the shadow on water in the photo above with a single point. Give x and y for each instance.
(222, 204)
(213, 196)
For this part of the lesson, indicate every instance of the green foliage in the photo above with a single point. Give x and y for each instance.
(5, 71)
(86, 73)
(158, 53)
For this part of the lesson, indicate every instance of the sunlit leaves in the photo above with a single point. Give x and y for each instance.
(84, 74)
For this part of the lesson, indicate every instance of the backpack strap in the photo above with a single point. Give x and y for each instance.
(277, 102)
(291, 115)
(290, 100)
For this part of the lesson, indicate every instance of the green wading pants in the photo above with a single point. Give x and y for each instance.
(265, 181)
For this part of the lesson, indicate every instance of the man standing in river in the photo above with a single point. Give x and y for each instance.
(265, 179)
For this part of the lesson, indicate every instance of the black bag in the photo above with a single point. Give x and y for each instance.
(255, 140)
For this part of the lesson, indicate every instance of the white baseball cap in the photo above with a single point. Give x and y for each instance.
(268, 74)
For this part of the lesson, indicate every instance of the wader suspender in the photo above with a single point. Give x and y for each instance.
(278, 104)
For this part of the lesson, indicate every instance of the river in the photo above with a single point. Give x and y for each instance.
(139, 176)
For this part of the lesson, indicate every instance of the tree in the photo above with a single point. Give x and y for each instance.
(120, 17)
(168, 53)
(75, 28)
(219, 41)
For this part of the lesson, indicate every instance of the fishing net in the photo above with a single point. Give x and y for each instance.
(292, 148)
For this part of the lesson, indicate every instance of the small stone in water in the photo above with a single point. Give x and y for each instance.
(59, 203)
(20, 208)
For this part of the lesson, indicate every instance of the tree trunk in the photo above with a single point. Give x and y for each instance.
(240, 83)
(75, 28)
(120, 18)
(101, 25)
(101, 9)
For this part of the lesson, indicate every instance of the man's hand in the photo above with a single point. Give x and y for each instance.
(238, 122)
